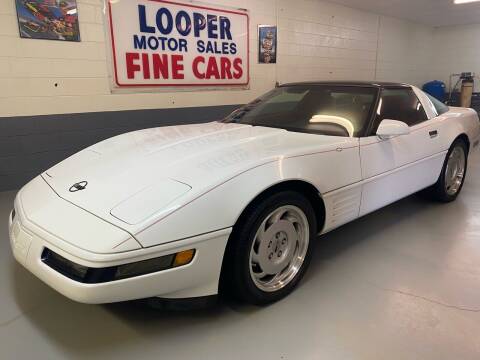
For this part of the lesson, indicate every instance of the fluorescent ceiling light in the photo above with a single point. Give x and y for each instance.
(465, 1)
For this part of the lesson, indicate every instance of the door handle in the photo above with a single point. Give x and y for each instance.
(433, 134)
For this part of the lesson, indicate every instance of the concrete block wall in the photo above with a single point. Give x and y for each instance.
(55, 96)
(404, 51)
(320, 40)
(54, 77)
(317, 40)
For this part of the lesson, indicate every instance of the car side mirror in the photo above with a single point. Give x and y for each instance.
(389, 128)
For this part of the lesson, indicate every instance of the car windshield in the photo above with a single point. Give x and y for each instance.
(318, 109)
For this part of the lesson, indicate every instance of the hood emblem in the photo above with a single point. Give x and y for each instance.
(78, 186)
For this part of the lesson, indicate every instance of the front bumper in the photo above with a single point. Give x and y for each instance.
(198, 278)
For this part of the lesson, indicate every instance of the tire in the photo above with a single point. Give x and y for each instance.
(444, 190)
(275, 232)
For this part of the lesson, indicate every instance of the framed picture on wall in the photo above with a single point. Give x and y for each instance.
(48, 19)
(267, 44)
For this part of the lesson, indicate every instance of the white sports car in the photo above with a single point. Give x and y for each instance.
(190, 211)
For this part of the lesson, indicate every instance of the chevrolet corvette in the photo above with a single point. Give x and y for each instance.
(236, 205)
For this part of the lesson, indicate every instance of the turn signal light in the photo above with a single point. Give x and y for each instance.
(183, 257)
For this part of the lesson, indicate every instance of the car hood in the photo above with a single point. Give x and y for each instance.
(134, 178)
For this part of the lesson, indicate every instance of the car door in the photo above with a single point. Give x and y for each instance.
(401, 165)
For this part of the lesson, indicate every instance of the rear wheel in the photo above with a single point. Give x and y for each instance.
(454, 169)
(270, 248)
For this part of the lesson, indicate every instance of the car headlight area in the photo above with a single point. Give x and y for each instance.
(90, 275)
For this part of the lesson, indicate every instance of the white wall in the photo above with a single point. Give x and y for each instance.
(457, 49)
(320, 40)
(317, 40)
(404, 52)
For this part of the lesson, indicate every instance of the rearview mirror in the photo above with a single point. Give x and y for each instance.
(389, 128)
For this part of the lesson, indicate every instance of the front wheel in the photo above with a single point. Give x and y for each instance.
(453, 174)
(271, 248)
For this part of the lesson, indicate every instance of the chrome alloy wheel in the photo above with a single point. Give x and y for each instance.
(455, 170)
(279, 248)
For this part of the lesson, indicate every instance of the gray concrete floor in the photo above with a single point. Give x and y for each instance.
(402, 283)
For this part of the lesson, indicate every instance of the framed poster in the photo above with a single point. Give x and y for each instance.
(48, 19)
(160, 43)
(267, 44)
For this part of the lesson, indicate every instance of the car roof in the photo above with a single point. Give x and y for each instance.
(376, 84)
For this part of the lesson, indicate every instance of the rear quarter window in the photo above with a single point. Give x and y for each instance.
(440, 107)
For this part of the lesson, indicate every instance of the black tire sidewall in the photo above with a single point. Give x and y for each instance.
(243, 236)
(440, 190)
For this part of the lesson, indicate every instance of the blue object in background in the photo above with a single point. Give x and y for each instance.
(436, 89)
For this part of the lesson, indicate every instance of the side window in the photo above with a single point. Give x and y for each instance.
(439, 106)
(400, 104)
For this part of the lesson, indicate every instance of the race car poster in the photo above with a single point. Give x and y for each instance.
(159, 43)
(48, 19)
(267, 44)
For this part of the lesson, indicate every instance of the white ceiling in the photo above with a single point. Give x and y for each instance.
(430, 12)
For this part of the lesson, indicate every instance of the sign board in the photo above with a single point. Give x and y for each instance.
(157, 43)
